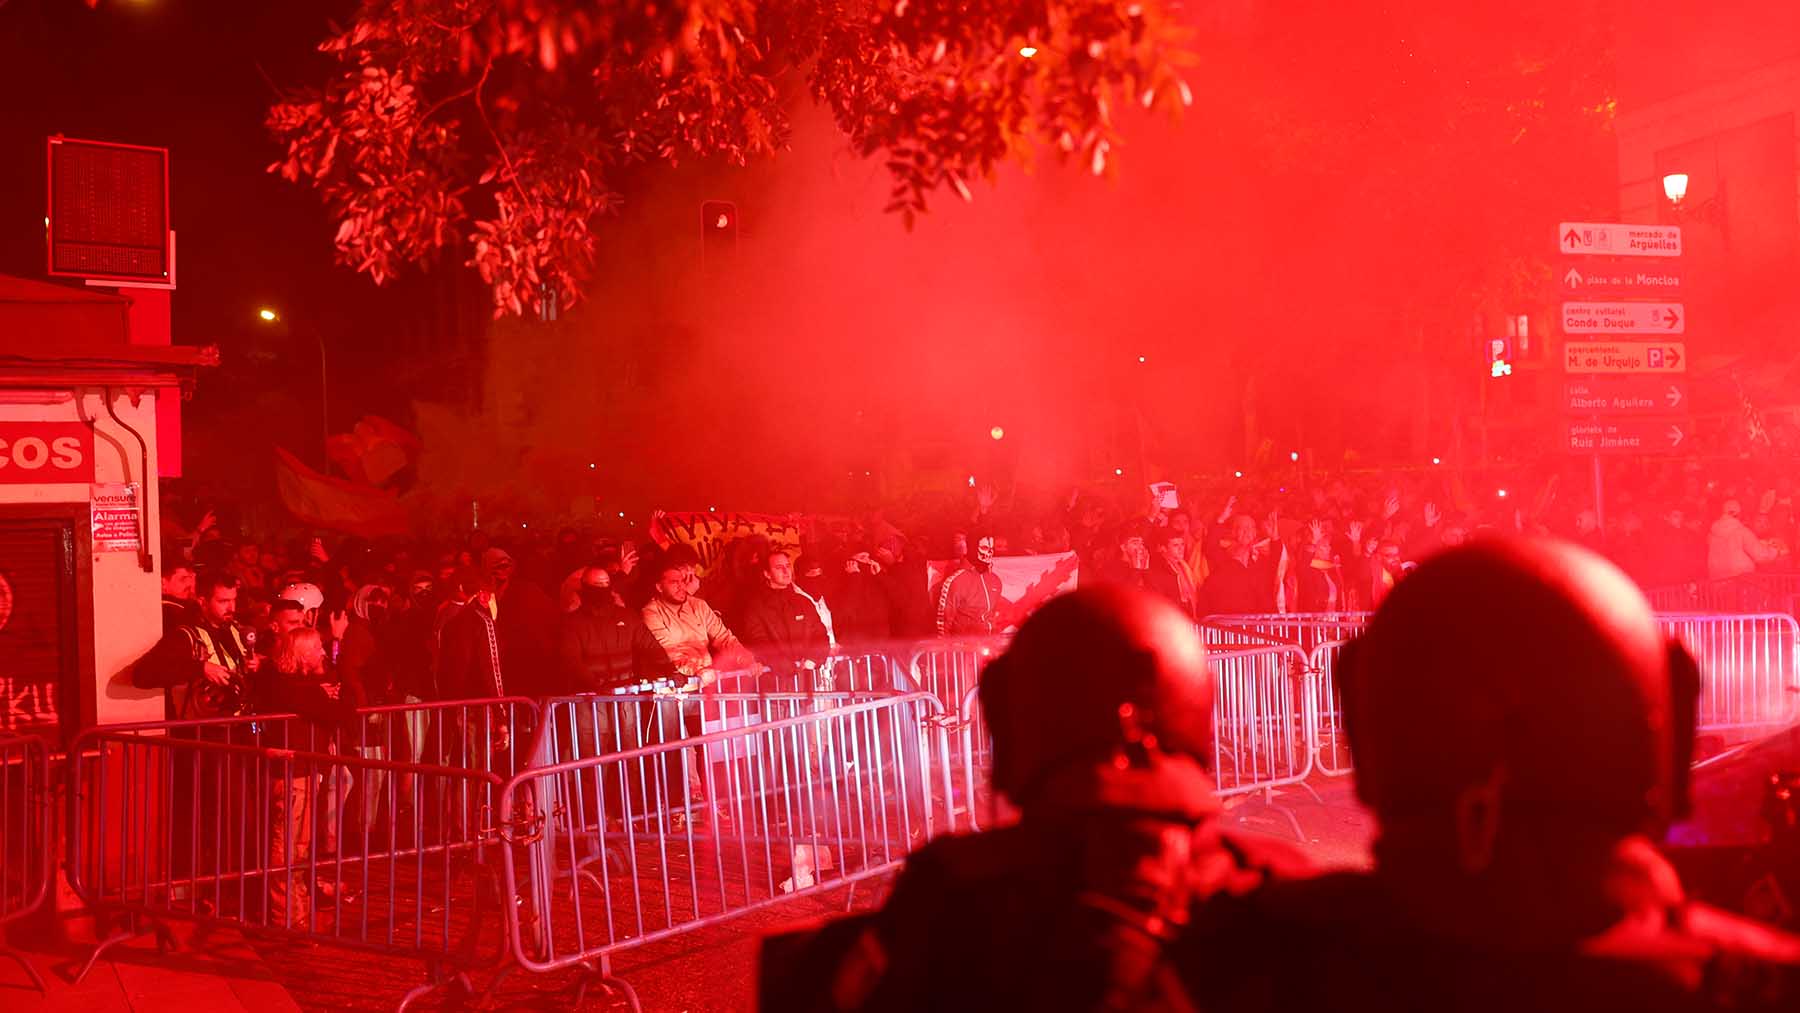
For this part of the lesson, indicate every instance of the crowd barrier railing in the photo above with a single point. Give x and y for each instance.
(841, 672)
(1749, 670)
(1749, 680)
(1331, 745)
(1305, 630)
(353, 835)
(1261, 718)
(628, 848)
(948, 669)
(25, 835)
(1747, 594)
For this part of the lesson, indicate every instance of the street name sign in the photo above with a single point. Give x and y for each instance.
(1627, 436)
(1612, 239)
(1624, 395)
(1624, 318)
(1646, 279)
(1624, 357)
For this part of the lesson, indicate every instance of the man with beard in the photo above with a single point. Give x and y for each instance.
(204, 664)
(178, 604)
(969, 603)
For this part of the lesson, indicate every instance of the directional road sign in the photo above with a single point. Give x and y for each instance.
(1624, 395)
(1611, 239)
(1627, 436)
(1624, 357)
(1624, 318)
(1598, 279)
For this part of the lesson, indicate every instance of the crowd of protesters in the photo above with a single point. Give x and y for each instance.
(319, 626)
(534, 614)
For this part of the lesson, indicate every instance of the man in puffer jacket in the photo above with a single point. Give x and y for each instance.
(1732, 549)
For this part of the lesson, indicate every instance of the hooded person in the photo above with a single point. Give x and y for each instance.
(525, 618)
(1519, 782)
(1101, 715)
(969, 601)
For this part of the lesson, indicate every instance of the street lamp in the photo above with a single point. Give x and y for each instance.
(1675, 187)
(269, 315)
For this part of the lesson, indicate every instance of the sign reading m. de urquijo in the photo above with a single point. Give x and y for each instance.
(1622, 279)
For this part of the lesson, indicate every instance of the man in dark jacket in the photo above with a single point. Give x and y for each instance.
(782, 625)
(1241, 580)
(1101, 715)
(527, 620)
(601, 642)
(1519, 804)
(1169, 575)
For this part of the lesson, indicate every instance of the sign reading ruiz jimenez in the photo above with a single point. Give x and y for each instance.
(46, 452)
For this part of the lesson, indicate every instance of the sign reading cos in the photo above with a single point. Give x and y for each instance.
(46, 452)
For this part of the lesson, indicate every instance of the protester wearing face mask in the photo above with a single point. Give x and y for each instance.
(969, 603)
(598, 640)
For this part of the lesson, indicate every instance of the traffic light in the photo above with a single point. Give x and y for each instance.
(718, 230)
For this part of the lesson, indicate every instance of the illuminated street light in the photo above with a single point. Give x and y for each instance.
(1118, 471)
(1501, 494)
(1028, 51)
(997, 433)
(1436, 461)
(1293, 455)
(1237, 474)
(269, 315)
(1675, 186)
(1142, 358)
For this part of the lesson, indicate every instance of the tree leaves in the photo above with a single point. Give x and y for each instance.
(519, 109)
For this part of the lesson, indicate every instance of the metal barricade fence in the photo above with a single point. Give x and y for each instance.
(1749, 670)
(25, 862)
(177, 819)
(839, 673)
(625, 849)
(174, 827)
(1749, 680)
(948, 669)
(1331, 746)
(1261, 718)
(1305, 630)
(489, 735)
(1751, 593)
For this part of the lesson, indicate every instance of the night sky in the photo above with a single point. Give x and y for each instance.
(1280, 233)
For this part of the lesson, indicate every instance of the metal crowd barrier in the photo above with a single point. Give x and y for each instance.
(1261, 719)
(839, 673)
(1749, 670)
(1331, 746)
(363, 836)
(25, 864)
(1749, 593)
(596, 724)
(1305, 630)
(1749, 680)
(623, 849)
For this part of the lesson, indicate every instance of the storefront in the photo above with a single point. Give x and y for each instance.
(79, 580)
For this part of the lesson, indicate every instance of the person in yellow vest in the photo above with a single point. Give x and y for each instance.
(205, 664)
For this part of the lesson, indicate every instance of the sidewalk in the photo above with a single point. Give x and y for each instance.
(213, 972)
